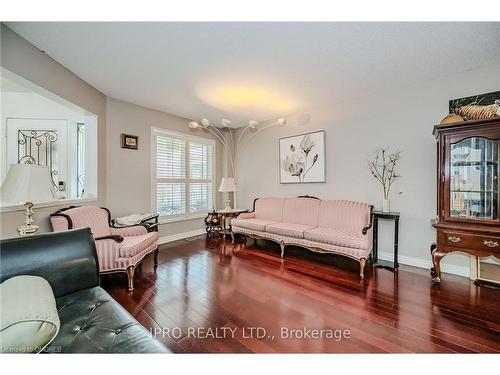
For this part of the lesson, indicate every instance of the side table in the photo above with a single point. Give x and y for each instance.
(224, 215)
(212, 223)
(393, 216)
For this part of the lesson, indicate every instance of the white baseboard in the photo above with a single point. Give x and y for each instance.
(181, 236)
(427, 264)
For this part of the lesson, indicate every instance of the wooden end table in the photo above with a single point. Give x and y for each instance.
(224, 215)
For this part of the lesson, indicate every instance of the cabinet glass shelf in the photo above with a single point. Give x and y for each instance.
(474, 179)
(473, 163)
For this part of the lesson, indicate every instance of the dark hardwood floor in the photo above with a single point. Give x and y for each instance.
(205, 288)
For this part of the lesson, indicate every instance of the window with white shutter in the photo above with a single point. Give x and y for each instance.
(183, 174)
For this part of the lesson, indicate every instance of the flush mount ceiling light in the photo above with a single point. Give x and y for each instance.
(225, 135)
(247, 98)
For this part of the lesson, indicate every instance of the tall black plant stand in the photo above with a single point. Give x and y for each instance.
(393, 216)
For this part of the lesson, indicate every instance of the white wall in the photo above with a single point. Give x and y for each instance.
(401, 119)
(22, 58)
(129, 171)
(32, 105)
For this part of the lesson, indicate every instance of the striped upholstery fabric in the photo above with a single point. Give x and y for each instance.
(255, 224)
(269, 209)
(329, 225)
(134, 245)
(339, 237)
(288, 229)
(59, 223)
(246, 215)
(89, 216)
(301, 211)
(110, 259)
(347, 216)
(136, 230)
(112, 255)
(350, 252)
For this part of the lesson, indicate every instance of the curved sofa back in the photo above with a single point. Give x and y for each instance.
(340, 214)
(301, 211)
(343, 214)
(269, 209)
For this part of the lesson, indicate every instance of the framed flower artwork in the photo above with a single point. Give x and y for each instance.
(302, 158)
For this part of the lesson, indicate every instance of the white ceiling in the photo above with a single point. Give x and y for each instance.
(259, 71)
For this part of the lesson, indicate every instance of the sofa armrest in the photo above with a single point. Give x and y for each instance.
(67, 260)
(115, 238)
(133, 230)
(246, 215)
(369, 225)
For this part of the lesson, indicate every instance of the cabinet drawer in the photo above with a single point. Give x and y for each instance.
(471, 241)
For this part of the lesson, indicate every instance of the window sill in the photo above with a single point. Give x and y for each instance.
(56, 203)
(166, 220)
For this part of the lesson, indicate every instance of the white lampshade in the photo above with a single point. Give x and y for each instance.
(27, 183)
(227, 185)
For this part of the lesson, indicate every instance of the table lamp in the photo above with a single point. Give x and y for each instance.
(227, 185)
(25, 184)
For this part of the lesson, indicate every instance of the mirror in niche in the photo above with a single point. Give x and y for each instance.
(40, 128)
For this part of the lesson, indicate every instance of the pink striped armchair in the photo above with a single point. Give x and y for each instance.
(118, 249)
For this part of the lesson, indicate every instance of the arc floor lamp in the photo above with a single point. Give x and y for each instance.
(233, 147)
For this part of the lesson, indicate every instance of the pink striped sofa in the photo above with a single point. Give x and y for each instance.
(324, 226)
(118, 249)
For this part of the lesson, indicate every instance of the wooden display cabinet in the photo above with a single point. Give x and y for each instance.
(467, 190)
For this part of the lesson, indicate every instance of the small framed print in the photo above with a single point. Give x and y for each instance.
(130, 141)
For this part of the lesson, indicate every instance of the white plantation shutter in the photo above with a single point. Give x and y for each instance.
(170, 198)
(200, 161)
(184, 174)
(170, 157)
(200, 173)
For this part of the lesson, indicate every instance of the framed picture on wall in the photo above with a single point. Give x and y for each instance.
(302, 158)
(130, 141)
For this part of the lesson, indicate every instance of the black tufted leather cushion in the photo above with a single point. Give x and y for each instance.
(93, 322)
(67, 260)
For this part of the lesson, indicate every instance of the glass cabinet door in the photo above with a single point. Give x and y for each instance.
(474, 179)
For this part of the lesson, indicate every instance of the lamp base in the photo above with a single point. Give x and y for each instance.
(228, 204)
(28, 229)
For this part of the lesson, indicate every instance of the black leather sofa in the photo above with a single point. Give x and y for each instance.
(91, 320)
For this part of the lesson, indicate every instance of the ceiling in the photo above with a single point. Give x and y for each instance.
(259, 71)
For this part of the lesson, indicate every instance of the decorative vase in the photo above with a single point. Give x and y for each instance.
(386, 205)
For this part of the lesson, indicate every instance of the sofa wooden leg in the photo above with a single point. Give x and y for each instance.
(156, 258)
(282, 246)
(362, 263)
(130, 276)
